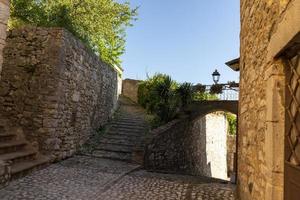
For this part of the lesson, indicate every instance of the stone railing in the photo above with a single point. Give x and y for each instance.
(230, 92)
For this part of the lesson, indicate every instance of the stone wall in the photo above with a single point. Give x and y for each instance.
(165, 150)
(208, 146)
(196, 148)
(231, 153)
(55, 90)
(130, 89)
(4, 15)
(261, 115)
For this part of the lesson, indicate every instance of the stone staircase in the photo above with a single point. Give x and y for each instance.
(18, 155)
(125, 135)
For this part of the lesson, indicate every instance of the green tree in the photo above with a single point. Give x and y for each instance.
(101, 24)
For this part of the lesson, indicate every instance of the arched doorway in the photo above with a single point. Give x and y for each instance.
(215, 136)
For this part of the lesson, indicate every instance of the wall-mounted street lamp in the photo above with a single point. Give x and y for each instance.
(216, 76)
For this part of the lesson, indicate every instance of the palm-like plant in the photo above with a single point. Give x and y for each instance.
(185, 93)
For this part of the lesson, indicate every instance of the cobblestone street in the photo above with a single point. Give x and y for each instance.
(84, 178)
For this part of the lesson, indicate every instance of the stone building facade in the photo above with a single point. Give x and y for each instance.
(54, 90)
(267, 29)
(4, 15)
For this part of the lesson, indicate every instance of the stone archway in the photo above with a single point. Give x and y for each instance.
(201, 108)
(213, 148)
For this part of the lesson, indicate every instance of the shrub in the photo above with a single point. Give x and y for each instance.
(216, 89)
(185, 93)
(204, 96)
(200, 88)
(159, 96)
(232, 123)
(165, 98)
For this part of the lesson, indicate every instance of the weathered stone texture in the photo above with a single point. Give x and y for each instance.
(197, 148)
(209, 146)
(130, 89)
(55, 90)
(4, 15)
(231, 153)
(261, 103)
(165, 150)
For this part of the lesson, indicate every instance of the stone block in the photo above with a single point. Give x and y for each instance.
(274, 147)
(130, 89)
(3, 31)
(4, 12)
(273, 192)
(275, 98)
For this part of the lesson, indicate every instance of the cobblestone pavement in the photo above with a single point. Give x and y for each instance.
(84, 178)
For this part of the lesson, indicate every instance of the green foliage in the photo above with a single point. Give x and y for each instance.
(232, 123)
(216, 89)
(159, 95)
(198, 96)
(185, 92)
(200, 88)
(165, 98)
(100, 24)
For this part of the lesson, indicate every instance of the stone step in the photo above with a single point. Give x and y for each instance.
(112, 155)
(129, 127)
(18, 156)
(142, 125)
(115, 148)
(120, 129)
(120, 140)
(6, 137)
(11, 146)
(135, 145)
(130, 123)
(117, 144)
(22, 168)
(124, 133)
(130, 113)
(122, 137)
(136, 120)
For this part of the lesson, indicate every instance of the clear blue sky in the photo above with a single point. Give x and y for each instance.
(187, 39)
